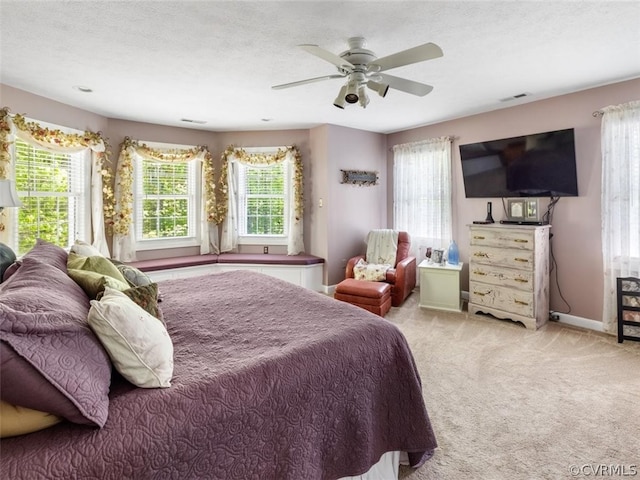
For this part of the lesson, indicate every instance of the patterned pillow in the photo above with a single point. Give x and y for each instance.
(146, 296)
(370, 271)
(139, 346)
(135, 277)
(50, 359)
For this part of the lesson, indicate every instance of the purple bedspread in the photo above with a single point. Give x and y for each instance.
(271, 381)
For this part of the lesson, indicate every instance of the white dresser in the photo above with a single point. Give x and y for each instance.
(509, 272)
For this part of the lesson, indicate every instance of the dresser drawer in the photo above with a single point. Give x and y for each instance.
(507, 277)
(506, 299)
(501, 257)
(520, 239)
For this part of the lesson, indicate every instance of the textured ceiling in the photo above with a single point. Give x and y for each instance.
(161, 61)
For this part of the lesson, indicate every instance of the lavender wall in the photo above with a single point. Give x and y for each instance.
(352, 210)
(576, 229)
(336, 230)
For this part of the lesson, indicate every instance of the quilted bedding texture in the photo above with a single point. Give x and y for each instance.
(271, 381)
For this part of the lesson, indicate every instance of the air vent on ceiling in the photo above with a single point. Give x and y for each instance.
(514, 97)
(188, 120)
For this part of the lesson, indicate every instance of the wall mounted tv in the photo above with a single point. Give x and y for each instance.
(537, 165)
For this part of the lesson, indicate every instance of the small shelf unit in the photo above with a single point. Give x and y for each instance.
(628, 308)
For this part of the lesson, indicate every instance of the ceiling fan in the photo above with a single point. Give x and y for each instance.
(362, 69)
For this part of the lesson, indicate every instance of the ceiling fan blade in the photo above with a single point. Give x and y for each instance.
(328, 56)
(308, 80)
(417, 54)
(404, 85)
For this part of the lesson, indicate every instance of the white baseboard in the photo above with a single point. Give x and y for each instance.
(329, 289)
(580, 322)
(564, 318)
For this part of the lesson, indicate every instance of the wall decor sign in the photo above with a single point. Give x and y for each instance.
(359, 177)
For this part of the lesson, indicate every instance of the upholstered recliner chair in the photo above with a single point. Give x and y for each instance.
(402, 277)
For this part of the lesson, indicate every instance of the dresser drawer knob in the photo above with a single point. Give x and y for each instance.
(520, 240)
(521, 280)
(478, 237)
(481, 254)
(479, 294)
(479, 273)
(520, 302)
(524, 260)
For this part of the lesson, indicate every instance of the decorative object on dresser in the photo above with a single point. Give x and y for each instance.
(509, 272)
(628, 308)
(437, 256)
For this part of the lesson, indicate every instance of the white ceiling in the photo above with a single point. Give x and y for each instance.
(161, 61)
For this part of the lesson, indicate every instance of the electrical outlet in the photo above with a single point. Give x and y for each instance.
(554, 316)
(265, 249)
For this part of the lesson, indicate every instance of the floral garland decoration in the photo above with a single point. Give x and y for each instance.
(58, 137)
(123, 215)
(5, 131)
(260, 159)
(5, 156)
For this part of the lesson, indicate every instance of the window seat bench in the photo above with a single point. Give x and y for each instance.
(303, 270)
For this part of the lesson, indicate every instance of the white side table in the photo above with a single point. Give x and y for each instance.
(440, 286)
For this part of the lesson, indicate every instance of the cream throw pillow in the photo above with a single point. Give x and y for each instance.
(85, 249)
(369, 271)
(138, 344)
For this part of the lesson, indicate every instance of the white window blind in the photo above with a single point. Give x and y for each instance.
(422, 192)
(262, 200)
(166, 203)
(54, 191)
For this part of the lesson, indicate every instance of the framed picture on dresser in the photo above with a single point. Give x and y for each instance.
(522, 209)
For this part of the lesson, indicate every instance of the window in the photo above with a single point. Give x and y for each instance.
(262, 200)
(422, 192)
(167, 203)
(54, 191)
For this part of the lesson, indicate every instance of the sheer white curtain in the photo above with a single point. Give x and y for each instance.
(263, 157)
(620, 201)
(54, 140)
(422, 193)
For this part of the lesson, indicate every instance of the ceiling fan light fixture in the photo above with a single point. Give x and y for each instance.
(339, 101)
(381, 88)
(352, 93)
(363, 99)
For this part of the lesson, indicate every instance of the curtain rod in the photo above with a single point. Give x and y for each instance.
(598, 113)
(425, 142)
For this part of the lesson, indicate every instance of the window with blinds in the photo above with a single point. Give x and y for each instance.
(166, 201)
(262, 200)
(54, 191)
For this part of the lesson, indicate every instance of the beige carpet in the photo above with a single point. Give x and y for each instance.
(509, 403)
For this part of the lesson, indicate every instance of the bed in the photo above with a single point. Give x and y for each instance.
(270, 381)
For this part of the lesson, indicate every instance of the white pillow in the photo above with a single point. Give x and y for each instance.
(86, 250)
(138, 344)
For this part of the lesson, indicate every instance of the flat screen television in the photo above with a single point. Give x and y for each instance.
(537, 165)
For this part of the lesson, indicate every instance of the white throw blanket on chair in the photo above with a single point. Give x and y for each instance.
(382, 246)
